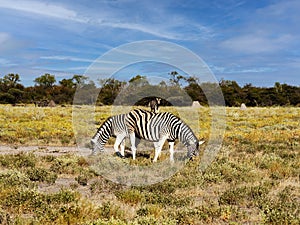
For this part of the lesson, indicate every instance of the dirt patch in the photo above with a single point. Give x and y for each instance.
(45, 150)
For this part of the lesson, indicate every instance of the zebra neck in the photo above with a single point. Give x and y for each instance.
(104, 132)
(186, 135)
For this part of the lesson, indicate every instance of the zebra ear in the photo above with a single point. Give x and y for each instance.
(201, 142)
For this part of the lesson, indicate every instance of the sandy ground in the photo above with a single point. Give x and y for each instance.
(45, 150)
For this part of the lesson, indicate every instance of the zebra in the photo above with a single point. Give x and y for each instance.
(114, 126)
(159, 127)
(154, 105)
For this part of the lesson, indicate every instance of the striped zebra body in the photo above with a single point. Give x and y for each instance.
(114, 126)
(159, 127)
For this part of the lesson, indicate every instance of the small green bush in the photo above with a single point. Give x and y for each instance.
(41, 174)
(13, 178)
(283, 210)
(65, 164)
(130, 196)
(19, 160)
(151, 220)
(108, 211)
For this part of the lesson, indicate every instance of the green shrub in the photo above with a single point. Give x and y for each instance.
(25, 199)
(151, 220)
(244, 195)
(62, 197)
(41, 174)
(130, 196)
(65, 164)
(19, 160)
(150, 210)
(13, 178)
(111, 221)
(283, 210)
(166, 199)
(108, 211)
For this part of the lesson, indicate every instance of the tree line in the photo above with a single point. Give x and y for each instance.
(179, 90)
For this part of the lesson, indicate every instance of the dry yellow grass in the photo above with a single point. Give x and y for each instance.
(254, 178)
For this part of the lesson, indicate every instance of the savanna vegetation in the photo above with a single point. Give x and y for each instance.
(253, 180)
(62, 92)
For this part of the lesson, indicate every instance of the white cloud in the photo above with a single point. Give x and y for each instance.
(42, 8)
(250, 43)
(3, 38)
(174, 27)
(9, 44)
(67, 58)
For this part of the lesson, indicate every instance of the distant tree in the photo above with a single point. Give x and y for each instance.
(47, 80)
(87, 94)
(176, 78)
(79, 80)
(10, 81)
(68, 83)
(109, 91)
(139, 80)
(6, 98)
(194, 90)
(232, 92)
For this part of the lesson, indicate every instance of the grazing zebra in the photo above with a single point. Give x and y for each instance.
(154, 104)
(114, 126)
(159, 127)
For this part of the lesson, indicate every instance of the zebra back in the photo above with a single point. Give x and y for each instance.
(151, 126)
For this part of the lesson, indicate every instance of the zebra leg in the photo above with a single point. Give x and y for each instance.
(123, 148)
(119, 140)
(158, 146)
(171, 145)
(132, 142)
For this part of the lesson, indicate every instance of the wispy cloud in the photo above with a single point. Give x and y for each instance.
(3, 38)
(268, 29)
(250, 43)
(169, 29)
(67, 58)
(237, 69)
(42, 8)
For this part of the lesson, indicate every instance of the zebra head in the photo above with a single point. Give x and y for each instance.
(102, 135)
(193, 149)
(96, 146)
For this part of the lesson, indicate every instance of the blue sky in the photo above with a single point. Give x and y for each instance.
(250, 41)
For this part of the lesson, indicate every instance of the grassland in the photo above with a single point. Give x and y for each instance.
(253, 180)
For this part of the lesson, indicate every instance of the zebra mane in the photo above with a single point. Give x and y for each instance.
(187, 135)
(105, 127)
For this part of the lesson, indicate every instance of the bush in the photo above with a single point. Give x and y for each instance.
(14, 178)
(283, 210)
(130, 196)
(19, 160)
(65, 164)
(41, 174)
(108, 211)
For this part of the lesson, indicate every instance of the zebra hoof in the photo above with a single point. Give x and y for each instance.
(120, 155)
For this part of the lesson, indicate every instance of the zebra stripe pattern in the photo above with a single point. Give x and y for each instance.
(113, 126)
(159, 127)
